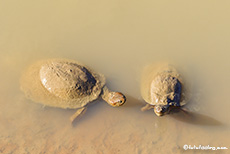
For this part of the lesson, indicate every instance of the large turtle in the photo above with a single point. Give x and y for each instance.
(162, 88)
(65, 84)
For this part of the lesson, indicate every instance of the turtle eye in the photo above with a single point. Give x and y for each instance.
(164, 108)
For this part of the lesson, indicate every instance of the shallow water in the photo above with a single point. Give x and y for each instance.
(118, 39)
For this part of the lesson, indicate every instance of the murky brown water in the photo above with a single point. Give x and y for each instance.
(118, 39)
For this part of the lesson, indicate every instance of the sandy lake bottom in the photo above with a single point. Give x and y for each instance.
(118, 39)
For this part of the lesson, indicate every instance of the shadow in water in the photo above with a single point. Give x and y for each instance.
(132, 105)
(91, 110)
(193, 118)
(132, 102)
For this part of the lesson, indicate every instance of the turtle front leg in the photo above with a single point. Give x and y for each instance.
(79, 112)
(147, 107)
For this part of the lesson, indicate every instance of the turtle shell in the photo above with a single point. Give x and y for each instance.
(61, 83)
(165, 89)
(162, 85)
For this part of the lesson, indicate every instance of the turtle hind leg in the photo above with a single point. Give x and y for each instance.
(147, 107)
(78, 113)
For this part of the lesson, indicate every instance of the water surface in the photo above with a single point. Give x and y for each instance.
(118, 39)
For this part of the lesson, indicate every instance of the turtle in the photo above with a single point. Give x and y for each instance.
(163, 89)
(66, 84)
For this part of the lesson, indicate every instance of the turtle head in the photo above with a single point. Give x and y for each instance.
(116, 99)
(160, 110)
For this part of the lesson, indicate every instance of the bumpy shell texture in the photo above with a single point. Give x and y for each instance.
(162, 84)
(165, 88)
(61, 83)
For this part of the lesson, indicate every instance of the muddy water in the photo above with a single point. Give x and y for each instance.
(118, 39)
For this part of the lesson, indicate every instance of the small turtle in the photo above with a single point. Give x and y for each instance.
(163, 89)
(65, 84)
